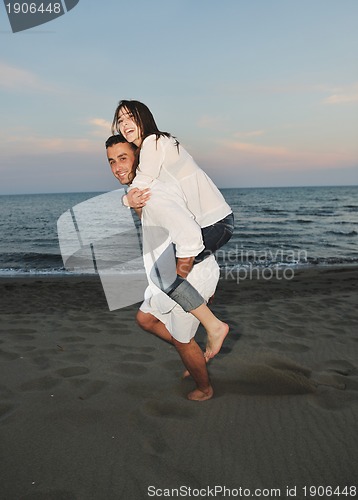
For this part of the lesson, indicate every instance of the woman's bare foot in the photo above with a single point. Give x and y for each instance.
(215, 340)
(199, 395)
(186, 374)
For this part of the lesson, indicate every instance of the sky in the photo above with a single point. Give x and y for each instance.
(260, 92)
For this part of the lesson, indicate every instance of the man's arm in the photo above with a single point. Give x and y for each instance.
(184, 266)
(173, 215)
(136, 198)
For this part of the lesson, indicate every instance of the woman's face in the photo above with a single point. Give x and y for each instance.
(128, 128)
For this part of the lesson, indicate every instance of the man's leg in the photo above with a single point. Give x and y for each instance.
(153, 325)
(193, 359)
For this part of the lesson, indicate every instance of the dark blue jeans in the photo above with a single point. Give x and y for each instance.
(214, 237)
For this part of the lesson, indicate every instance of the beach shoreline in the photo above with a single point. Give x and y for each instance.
(92, 407)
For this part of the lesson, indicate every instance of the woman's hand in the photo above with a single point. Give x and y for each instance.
(137, 198)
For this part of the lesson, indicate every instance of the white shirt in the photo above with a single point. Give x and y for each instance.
(166, 210)
(167, 220)
(162, 159)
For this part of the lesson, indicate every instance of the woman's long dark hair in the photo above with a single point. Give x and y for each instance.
(143, 118)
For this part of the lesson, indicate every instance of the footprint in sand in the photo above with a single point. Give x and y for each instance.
(24, 337)
(5, 392)
(141, 358)
(88, 329)
(74, 338)
(50, 495)
(25, 348)
(123, 331)
(340, 366)
(173, 365)
(92, 388)
(42, 362)
(338, 374)
(297, 332)
(267, 375)
(8, 356)
(21, 331)
(152, 439)
(121, 348)
(332, 400)
(73, 347)
(167, 409)
(39, 384)
(131, 369)
(6, 410)
(76, 356)
(288, 347)
(88, 388)
(72, 371)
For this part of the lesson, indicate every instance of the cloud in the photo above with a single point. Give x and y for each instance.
(101, 126)
(255, 149)
(343, 95)
(274, 158)
(211, 122)
(253, 133)
(336, 94)
(268, 88)
(33, 144)
(13, 78)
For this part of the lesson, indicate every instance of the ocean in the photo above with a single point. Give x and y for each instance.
(274, 227)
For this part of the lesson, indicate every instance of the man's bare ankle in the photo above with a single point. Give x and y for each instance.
(201, 394)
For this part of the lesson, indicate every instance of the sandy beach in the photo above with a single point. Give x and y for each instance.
(92, 407)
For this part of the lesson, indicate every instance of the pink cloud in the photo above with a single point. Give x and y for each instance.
(343, 95)
(275, 157)
(13, 78)
(101, 126)
(35, 144)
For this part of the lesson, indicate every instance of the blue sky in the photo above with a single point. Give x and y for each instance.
(261, 92)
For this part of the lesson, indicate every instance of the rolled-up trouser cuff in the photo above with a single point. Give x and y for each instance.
(184, 294)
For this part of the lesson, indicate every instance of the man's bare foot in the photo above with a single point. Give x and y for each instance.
(199, 395)
(215, 340)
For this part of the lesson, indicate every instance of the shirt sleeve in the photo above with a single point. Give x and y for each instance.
(183, 230)
(150, 162)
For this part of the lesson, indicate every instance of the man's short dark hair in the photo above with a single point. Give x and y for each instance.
(118, 139)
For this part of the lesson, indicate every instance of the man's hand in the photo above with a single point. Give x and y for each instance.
(137, 198)
(184, 266)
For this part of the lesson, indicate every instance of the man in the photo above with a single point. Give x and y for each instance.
(166, 219)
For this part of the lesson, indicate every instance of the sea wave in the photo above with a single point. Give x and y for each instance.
(343, 233)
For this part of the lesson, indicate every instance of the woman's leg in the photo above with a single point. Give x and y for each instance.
(216, 236)
(184, 294)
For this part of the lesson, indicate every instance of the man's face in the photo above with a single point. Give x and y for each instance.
(121, 160)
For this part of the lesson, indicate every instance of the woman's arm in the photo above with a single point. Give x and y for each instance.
(151, 159)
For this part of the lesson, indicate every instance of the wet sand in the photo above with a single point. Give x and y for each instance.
(92, 407)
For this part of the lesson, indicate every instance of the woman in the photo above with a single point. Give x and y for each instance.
(161, 156)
